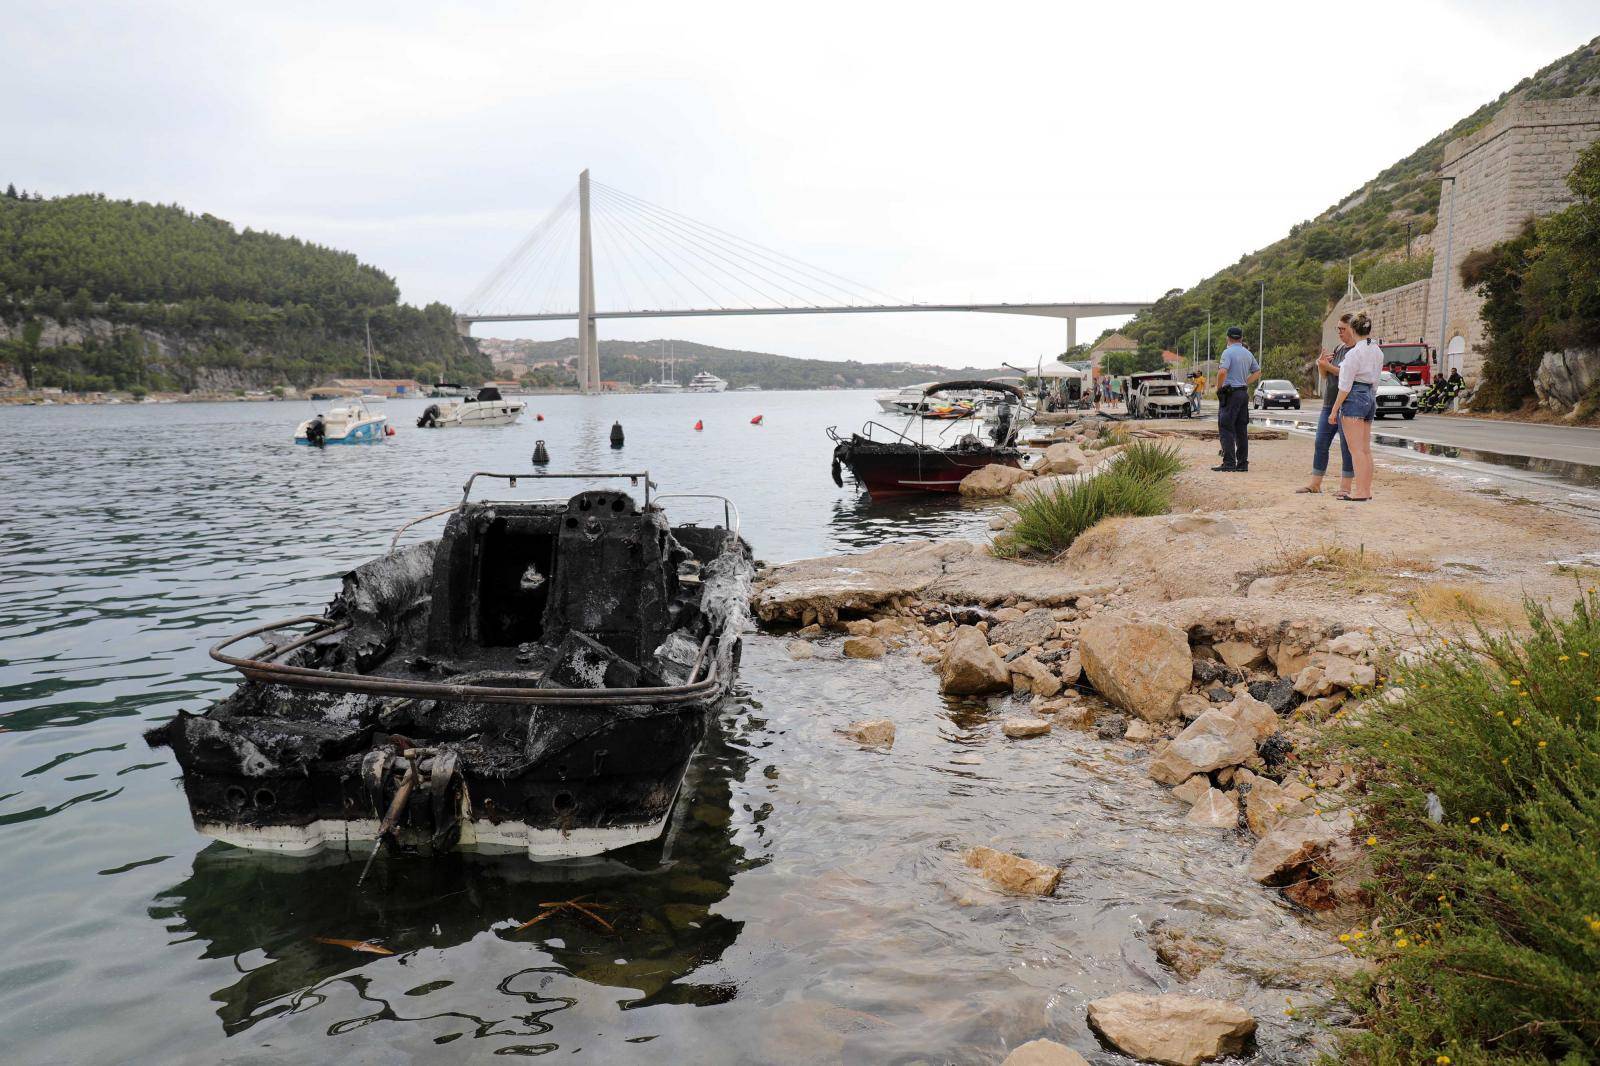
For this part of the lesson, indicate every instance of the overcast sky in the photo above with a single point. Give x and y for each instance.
(937, 152)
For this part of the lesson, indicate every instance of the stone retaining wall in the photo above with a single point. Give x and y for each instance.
(1513, 169)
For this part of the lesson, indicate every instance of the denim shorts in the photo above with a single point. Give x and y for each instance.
(1360, 404)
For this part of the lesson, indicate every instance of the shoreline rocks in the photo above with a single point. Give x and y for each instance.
(1173, 1030)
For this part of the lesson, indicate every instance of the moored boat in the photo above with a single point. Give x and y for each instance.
(705, 381)
(889, 462)
(537, 679)
(355, 422)
(488, 408)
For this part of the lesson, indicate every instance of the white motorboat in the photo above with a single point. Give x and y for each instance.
(488, 408)
(705, 381)
(356, 422)
(908, 401)
(667, 382)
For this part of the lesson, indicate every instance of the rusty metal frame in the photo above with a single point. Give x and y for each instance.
(265, 666)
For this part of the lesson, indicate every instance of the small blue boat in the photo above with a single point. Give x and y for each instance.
(354, 423)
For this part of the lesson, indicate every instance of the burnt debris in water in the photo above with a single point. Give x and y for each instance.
(536, 679)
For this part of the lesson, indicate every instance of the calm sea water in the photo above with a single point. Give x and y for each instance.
(808, 904)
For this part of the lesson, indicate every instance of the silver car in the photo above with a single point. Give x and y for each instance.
(1276, 393)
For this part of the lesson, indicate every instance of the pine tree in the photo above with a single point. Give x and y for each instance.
(11, 191)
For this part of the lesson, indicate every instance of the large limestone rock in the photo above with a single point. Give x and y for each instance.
(1290, 658)
(1012, 872)
(863, 648)
(1216, 809)
(970, 667)
(1029, 629)
(874, 733)
(942, 571)
(1296, 845)
(1268, 804)
(1142, 667)
(1062, 458)
(1240, 654)
(992, 480)
(1021, 728)
(1038, 678)
(1211, 742)
(1043, 486)
(1254, 715)
(1172, 1030)
(1564, 378)
(1044, 1053)
(1346, 673)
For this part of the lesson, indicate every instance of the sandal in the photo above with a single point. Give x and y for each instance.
(1303, 491)
(1355, 499)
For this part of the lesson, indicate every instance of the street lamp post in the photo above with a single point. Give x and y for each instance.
(1449, 241)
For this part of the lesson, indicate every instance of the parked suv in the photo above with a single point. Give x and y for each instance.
(1394, 397)
(1276, 393)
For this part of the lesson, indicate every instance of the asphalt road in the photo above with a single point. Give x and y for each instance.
(1567, 444)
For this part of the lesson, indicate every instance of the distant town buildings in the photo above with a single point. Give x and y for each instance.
(1114, 343)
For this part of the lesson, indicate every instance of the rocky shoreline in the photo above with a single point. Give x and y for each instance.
(1226, 696)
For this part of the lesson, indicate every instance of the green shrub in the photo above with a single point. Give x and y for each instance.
(1150, 460)
(1488, 938)
(1048, 522)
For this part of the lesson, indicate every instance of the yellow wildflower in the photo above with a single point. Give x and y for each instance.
(1402, 943)
(1504, 826)
(1542, 743)
(1359, 933)
(1372, 842)
(1516, 680)
(1563, 658)
(1473, 819)
(1344, 938)
(1516, 721)
(1443, 1060)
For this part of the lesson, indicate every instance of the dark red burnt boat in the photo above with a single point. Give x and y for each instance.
(889, 462)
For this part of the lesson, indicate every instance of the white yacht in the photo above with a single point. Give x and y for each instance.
(705, 381)
(667, 383)
(488, 408)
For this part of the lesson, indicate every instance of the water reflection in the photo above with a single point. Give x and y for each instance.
(658, 927)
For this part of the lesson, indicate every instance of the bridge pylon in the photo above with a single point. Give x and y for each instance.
(588, 338)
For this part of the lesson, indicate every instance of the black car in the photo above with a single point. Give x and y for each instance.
(1275, 393)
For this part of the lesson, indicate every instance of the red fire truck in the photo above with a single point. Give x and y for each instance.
(1411, 363)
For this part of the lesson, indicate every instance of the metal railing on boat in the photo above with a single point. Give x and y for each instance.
(271, 670)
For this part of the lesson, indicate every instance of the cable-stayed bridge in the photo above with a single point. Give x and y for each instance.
(663, 264)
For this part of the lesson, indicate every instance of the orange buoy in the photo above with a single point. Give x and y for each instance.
(756, 421)
(699, 424)
(538, 418)
(388, 431)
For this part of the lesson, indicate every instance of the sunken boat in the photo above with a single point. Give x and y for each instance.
(891, 462)
(537, 679)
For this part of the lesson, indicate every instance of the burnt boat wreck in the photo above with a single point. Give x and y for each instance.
(889, 462)
(537, 679)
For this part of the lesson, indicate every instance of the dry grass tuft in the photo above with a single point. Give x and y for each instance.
(1443, 602)
(1355, 571)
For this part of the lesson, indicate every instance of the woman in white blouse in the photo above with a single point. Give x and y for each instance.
(1356, 404)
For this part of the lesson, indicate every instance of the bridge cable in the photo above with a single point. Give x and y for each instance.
(693, 248)
(537, 265)
(672, 229)
(474, 298)
(668, 261)
(820, 273)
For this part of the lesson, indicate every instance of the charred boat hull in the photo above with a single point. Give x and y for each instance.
(536, 680)
(893, 469)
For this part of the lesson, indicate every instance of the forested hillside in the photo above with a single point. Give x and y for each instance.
(1306, 271)
(636, 362)
(102, 294)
